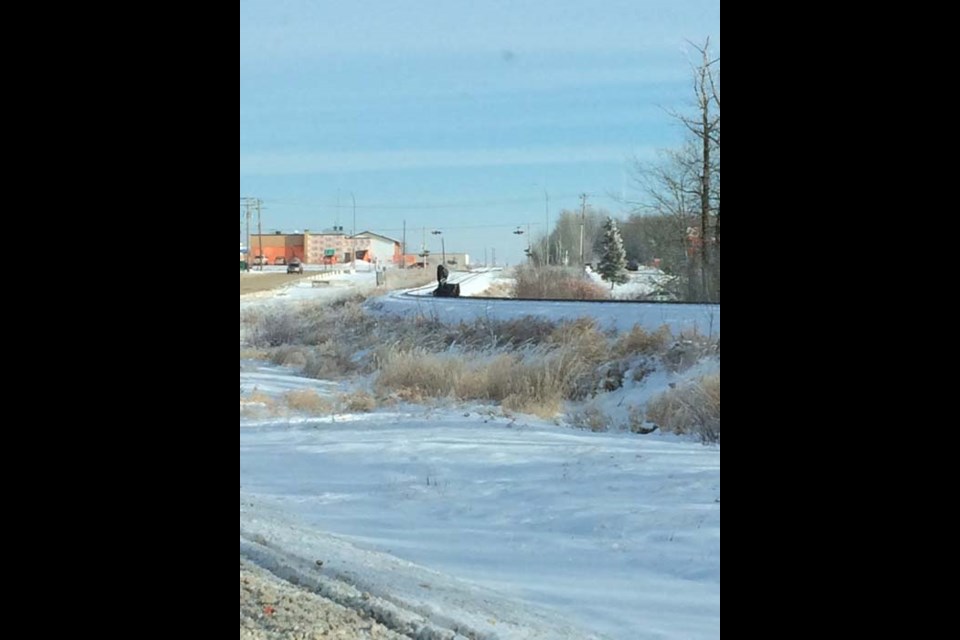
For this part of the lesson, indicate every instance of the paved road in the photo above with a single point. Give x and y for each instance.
(255, 282)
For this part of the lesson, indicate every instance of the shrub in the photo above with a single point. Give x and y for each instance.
(693, 408)
(556, 283)
(535, 383)
(592, 418)
(584, 338)
(639, 341)
(528, 365)
(307, 401)
(418, 373)
(358, 402)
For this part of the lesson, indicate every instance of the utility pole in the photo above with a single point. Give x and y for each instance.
(251, 205)
(443, 244)
(248, 213)
(583, 223)
(546, 237)
(354, 234)
(259, 205)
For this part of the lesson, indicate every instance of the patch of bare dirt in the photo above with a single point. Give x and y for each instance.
(271, 609)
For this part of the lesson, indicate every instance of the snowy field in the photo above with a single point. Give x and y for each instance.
(499, 527)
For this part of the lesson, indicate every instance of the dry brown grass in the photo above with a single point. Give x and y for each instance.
(497, 290)
(639, 341)
(687, 351)
(308, 401)
(556, 283)
(258, 397)
(294, 357)
(254, 354)
(572, 363)
(583, 290)
(257, 405)
(305, 402)
(543, 407)
(592, 418)
(693, 408)
(535, 385)
(418, 373)
(490, 381)
(585, 339)
(358, 402)
(530, 365)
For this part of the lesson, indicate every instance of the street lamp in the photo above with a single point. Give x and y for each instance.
(443, 245)
(545, 260)
(354, 234)
(520, 232)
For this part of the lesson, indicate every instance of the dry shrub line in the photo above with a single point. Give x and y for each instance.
(529, 365)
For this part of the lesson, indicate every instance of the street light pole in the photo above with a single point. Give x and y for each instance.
(529, 246)
(583, 224)
(443, 244)
(354, 234)
(520, 232)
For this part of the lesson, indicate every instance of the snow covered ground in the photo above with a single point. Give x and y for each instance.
(703, 319)
(460, 518)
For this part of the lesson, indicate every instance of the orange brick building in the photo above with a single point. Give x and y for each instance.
(326, 248)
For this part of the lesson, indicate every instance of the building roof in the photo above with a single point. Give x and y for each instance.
(371, 234)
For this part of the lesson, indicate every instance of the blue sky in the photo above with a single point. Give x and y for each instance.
(457, 115)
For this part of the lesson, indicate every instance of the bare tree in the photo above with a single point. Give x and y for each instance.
(565, 237)
(705, 128)
(684, 185)
(672, 186)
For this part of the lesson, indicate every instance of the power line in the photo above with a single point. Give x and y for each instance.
(427, 205)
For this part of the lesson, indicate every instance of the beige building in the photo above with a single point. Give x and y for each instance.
(328, 248)
(376, 249)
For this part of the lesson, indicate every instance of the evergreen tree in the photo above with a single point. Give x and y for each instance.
(613, 264)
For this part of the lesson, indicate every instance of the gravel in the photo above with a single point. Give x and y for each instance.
(271, 609)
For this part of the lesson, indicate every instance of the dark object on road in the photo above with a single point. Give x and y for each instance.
(442, 274)
(447, 290)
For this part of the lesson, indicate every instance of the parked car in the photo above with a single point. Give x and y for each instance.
(295, 266)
